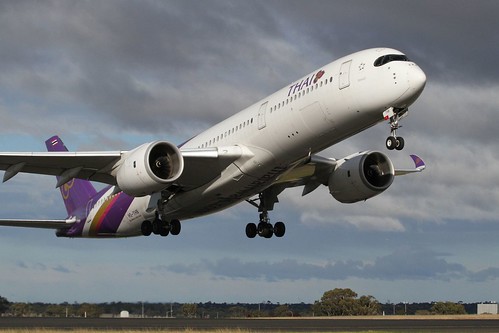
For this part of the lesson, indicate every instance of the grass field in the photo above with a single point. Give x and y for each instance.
(148, 331)
(41, 330)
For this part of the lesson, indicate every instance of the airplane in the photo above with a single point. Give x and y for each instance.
(251, 156)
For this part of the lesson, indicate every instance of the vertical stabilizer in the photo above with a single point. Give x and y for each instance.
(76, 193)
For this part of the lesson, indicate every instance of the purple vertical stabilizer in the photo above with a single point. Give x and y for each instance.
(76, 193)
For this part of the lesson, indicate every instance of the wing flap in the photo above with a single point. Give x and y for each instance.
(311, 174)
(204, 165)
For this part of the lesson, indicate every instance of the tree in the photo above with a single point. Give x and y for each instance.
(338, 302)
(344, 302)
(20, 309)
(89, 310)
(368, 306)
(55, 310)
(238, 311)
(283, 311)
(4, 304)
(447, 308)
(189, 310)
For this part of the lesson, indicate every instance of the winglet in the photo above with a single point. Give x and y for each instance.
(419, 166)
(418, 162)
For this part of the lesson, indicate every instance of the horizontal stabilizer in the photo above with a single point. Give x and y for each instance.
(44, 224)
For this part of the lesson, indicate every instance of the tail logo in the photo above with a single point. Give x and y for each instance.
(65, 189)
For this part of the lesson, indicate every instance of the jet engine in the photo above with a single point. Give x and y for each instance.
(361, 176)
(149, 168)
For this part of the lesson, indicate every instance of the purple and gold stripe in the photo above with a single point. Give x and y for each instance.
(109, 216)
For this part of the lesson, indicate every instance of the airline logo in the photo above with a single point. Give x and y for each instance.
(297, 87)
(65, 189)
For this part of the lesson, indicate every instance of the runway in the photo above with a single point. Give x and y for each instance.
(274, 325)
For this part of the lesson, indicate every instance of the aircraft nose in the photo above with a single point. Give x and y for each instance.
(417, 80)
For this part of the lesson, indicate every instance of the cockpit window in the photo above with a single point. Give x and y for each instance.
(389, 58)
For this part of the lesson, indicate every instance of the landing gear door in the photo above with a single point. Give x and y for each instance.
(261, 116)
(345, 74)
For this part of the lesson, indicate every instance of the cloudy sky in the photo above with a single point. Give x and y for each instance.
(108, 75)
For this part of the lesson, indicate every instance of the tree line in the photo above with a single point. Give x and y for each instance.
(336, 302)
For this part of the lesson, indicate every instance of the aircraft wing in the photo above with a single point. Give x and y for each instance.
(317, 169)
(84, 165)
(44, 224)
(203, 165)
(311, 175)
(200, 165)
(419, 166)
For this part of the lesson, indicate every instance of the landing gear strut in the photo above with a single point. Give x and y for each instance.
(394, 115)
(264, 228)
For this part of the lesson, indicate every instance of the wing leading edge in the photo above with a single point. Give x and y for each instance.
(200, 165)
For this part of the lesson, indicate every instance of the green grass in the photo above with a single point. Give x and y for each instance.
(41, 330)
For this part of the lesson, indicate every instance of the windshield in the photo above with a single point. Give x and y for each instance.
(389, 58)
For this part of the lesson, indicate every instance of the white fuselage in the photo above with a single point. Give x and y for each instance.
(321, 109)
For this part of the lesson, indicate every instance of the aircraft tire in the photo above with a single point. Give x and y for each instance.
(267, 231)
(400, 143)
(175, 227)
(251, 230)
(156, 226)
(146, 228)
(391, 143)
(279, 229)
(164, 232)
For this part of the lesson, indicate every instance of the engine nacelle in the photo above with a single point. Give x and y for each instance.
(149, 168)
(361, 176)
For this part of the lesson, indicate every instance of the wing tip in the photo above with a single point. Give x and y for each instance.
(418, 162)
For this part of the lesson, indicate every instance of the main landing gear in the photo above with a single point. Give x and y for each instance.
(394, 115)
(160, 227)
(264, 228)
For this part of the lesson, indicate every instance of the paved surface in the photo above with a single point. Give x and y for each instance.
(282, 325)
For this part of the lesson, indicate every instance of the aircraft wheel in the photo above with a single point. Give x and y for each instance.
(157, 225)
(146, 228)
(251, 230)
(391, 143)
(267, 231)
(164, 231)
(400, 143)
(175, 227)
(279, 229)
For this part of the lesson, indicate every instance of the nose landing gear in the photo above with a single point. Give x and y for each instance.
(394, 116)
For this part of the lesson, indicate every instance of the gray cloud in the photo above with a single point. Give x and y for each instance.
(405, 264)
(112, 74)
(61, 269)
(152, 66)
